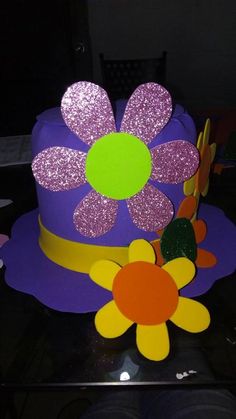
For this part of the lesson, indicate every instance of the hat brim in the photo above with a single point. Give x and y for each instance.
(29, 270)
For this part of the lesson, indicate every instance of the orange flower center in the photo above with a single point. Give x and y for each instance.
(145, 293)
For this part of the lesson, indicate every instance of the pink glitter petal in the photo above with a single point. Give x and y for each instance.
(87, 111)
(174, 162)
(59, 168)
(147, 112)
(95, 215)
(150, 209)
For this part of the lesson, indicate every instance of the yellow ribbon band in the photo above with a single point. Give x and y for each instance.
(76, 256)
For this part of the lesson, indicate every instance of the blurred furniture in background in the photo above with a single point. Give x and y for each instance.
(223, 133)
(121, 77)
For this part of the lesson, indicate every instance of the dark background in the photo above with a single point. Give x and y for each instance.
(47, 45)
(40, 57)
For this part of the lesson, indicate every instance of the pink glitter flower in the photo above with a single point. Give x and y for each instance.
(118, 164)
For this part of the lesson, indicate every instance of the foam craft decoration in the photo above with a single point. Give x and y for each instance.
(146, 294)
(49, 138)
(199, 183)
(178, 239)
(115, 157)
(181, 237)
(52, 248)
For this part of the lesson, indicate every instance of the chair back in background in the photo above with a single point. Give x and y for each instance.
(121, 77)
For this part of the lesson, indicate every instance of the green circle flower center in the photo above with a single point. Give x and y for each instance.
(118, 165)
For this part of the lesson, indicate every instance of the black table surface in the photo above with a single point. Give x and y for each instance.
(43, 348)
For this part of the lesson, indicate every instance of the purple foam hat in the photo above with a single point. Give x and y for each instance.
(47, 256)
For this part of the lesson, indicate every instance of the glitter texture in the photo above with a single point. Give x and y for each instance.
(178, 240)
(59, 168)
(95, 215)
(174, 162)
(147, 112)
(150, 209)
(87, 111)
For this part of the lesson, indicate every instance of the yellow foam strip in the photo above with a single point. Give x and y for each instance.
(76, 256)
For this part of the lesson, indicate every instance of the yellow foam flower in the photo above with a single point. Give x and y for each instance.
(148, 295)
(199, 183)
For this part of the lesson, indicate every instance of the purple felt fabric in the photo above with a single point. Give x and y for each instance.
(30, 271)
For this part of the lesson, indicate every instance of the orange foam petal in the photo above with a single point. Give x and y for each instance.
(187, 207)
(159, 258)
(200, 230)
(205, 259)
